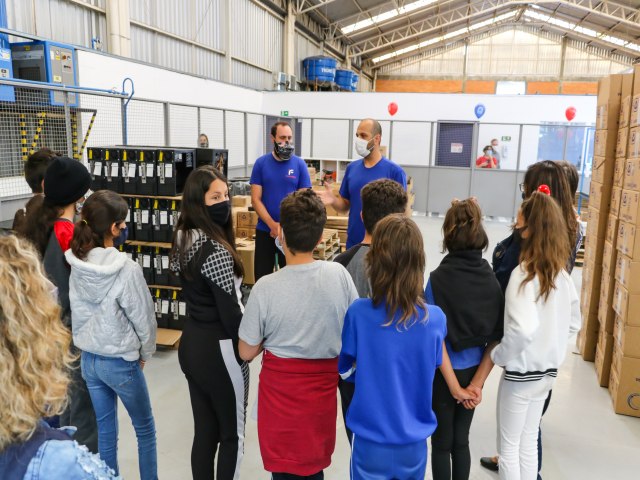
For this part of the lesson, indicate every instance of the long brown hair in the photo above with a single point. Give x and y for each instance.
(545, 247)
(38, 223)
(552, 174)
(462, 227)
(396, 269)
(194, 216)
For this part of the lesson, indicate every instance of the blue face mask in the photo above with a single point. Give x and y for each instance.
(120, 239)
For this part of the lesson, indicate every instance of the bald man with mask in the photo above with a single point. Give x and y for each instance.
(371, 166)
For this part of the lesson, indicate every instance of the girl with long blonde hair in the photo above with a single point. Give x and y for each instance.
(34, 373)
(392, 344)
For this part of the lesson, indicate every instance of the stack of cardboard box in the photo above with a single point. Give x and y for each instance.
(607, 138)
(611, 276)
(624, 326)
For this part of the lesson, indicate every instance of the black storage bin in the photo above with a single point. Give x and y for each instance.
(131, 235)
(178, 316)
(129, 171)
(144, 257)
(162, 229)
(112, 173)
(161, 309)
(146, 175)
(217, 157)
(173, 168)
(142, 219)
(96, 166)
(161, 266)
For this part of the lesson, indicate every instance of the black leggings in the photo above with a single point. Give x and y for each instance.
(450, 455)
(265, 254)
(218, 386)
(347, 391)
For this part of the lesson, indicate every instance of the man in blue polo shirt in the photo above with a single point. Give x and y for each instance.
(372, 166)
(274, 176)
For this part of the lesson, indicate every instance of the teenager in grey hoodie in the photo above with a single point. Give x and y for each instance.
(114, 325)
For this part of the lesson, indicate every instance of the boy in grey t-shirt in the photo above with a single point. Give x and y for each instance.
(296, 315)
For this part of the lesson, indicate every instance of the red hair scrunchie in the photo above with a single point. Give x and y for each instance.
(544, 189)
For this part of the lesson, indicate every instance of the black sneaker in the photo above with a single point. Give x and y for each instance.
(489, 464)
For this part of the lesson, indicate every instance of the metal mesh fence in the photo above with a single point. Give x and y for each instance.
(33, 117)
(183, 126)
(146, 123)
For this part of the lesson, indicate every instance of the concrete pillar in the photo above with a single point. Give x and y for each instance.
(118, 28)
(288, 58)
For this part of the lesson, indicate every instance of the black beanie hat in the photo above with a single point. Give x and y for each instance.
(65, 181)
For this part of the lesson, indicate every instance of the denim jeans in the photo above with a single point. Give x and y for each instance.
(108, 379)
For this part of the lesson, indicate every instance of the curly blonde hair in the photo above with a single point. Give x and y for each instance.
(34, 345)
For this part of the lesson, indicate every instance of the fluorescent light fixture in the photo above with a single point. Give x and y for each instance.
(386, 16)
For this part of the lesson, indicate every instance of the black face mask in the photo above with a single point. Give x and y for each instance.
(283, 151)
(219, 212)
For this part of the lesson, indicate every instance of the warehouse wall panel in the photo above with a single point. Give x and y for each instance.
(579, 88)
(425, 86)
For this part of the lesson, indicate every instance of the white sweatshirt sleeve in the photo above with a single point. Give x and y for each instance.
(520, 319)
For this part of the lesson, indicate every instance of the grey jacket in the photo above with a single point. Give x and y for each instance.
(112, 312)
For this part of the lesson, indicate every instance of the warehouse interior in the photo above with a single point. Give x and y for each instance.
(119, 83)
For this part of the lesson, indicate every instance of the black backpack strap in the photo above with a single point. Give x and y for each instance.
(15, 459)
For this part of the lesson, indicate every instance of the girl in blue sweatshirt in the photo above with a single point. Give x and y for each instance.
(391, 347)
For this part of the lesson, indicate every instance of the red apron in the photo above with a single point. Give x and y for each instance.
(297, 411)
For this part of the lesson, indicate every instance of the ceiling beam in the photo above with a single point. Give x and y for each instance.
(394, 38)
(312, 6)
(455, 42)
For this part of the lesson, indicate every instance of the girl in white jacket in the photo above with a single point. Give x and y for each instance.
(541, 312)
(114, 325)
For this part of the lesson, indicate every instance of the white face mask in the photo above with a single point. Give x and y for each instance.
(362, 147)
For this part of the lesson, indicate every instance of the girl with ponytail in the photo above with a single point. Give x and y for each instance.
(114, 326)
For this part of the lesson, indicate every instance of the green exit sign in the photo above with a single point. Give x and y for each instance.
(506, 139)
(284, 113)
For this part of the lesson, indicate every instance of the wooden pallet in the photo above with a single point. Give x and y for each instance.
(328, 246)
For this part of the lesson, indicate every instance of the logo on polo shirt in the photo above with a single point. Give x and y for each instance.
(291, 173)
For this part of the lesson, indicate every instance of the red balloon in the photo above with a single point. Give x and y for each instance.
(393, 108)
(570, 113)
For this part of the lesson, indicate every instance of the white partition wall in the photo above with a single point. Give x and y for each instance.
(212, 125)
(411, 143)
(235, 139)
(330, 139)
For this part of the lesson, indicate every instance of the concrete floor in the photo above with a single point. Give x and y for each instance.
(583, 438)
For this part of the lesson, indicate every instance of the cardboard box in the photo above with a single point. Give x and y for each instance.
(247, 249)
(623, 117)
(631, 177)
(626, 88)
(247, 220)
(606, 314)
(597, 223)
(604, 354)
(600, 195)
(605, 143)
(609, 256)
(626, 305)
(626, 339)
(614, 203)
(241, 201)
(628, 240)
(234, 214)
(624, 384)
(608, 115)
(623, 141)
(602, 169)
(618, 172)
(630, 206)
(586, 342)
(247, 233)
(611, 235)
(633, 143)
(628, 273)
(610, 89)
